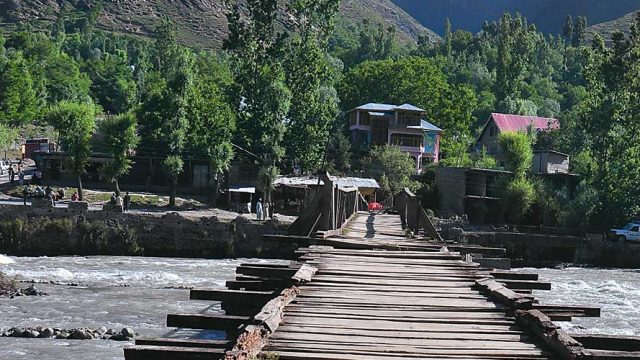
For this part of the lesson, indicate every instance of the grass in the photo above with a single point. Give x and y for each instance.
(100, 197)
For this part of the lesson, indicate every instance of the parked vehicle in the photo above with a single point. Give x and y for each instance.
(630, 232)
(4, 166)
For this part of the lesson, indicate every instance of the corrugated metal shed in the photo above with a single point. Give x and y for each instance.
(343, 182)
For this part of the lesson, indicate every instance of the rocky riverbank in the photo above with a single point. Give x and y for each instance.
(126, 334)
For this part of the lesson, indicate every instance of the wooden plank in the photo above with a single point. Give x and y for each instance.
(611, 355)
(212, 344)
(210, 322)
(304, 274)
(500, 274)
(307, 355)
(588, 311)
(267, 273)
(526, 284)
(242, 297)
(608, 342)
(171, 353)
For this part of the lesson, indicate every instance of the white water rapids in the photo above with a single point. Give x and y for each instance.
(114, 292)
(139, 292)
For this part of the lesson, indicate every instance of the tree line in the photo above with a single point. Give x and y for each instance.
(280, 86)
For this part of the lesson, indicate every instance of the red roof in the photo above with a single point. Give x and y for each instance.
(515, 123)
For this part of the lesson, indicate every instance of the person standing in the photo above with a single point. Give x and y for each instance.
(12, 174)
(25, 194)
(259, 209)
(20, 177)
(126, 202)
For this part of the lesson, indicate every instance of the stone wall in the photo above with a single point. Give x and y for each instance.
(27, 231)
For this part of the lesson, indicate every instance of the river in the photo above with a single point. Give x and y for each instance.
(114, 292)
(138, 292)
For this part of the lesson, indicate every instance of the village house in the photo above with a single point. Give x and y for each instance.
(506, 123)
(401, 125)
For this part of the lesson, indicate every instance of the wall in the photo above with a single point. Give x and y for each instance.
(451, 186)
(26, 231)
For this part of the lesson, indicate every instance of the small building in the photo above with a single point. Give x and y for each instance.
(402, 125)
(505, 123)
(293, 193)
(474, 192)
(550, 162)
(42, 145)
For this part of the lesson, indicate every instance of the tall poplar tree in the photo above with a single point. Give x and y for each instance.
(261, 97)
(315, 104)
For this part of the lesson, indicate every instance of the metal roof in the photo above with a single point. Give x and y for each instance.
(425, 125)
(342, 182)
(515, 123)
(409, 107)
(376, 106)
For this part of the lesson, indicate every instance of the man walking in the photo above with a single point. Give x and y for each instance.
(126, 202)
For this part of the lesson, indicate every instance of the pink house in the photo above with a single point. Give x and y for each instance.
(504, 123)
(401, 125)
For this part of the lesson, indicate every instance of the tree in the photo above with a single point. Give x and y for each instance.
(261, 96)
(418, 81)
(567, 29)
(75, 123)
(164, 110)
(520, 191)
(448, 38)
(112, 82)
(391, 167)
(212, 121)
(315, 104)
(579, 32)
(18, 98)
(120, 138)
(339, 154)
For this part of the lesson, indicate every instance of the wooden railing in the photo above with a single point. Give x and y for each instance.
(330, 211)
(413, 216)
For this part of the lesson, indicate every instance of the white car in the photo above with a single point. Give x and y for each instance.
(4, 166)
(630, 232)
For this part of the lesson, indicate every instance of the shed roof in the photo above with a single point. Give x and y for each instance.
(409, 107)
(515, 123)
(342, 182)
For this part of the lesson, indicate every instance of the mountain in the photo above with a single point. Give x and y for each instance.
(607, 29)
(548, 15)
(201, 23)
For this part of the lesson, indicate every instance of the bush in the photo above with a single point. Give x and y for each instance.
(519, 196)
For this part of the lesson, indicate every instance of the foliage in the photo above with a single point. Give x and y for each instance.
(75, 124)
(517, 152)
(261, 96)
(391, 167)
(482, 160)
(339, 154)
(315, 104)
(518, 197)
(418, 81)
(120, 138)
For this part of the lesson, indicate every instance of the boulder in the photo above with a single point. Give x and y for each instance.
(128, 332)
(47, 333)
(79, 334)
(31, 334)
(17, 332)
(101, 330)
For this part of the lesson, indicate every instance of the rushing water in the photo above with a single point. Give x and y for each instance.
(138, 292)
(616, 291)
(114, 292)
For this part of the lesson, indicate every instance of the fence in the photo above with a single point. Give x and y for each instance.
(330, 211)
(413, 216)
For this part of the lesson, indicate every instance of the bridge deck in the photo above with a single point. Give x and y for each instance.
(382, 304)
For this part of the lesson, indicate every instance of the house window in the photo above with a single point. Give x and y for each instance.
(406, 140)
(365, 119)
(492, 131)
(408, 120)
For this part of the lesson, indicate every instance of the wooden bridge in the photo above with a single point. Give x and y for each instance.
(368, 291)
